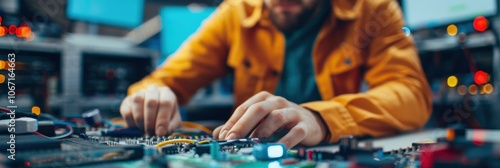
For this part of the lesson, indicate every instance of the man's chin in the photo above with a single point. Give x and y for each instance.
(286, 24)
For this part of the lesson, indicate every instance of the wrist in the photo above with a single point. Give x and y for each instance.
(323, 131)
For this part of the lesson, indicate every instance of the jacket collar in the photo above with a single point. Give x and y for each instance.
(252, 12)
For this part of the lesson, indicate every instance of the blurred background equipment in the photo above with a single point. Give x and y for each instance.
(125, 13)
(458, 48)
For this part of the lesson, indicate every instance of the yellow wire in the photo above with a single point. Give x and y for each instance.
(204, 141)
(196, 125)
(173, 141)
(110, 155)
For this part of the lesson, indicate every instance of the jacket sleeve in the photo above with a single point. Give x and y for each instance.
(200, 60)
(399, 98)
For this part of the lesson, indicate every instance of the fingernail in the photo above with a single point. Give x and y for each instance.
(231, 136)
(223, 133)
(160, 130)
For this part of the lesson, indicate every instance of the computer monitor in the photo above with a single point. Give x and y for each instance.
(178, 23)
(431, 13)
(122, 13)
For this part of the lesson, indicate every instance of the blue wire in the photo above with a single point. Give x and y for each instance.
(66, 125)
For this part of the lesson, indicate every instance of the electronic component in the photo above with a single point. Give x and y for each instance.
(72, 158)
(27, 143)
(93, 118)
(46, 128)
(269, 151)
(125, 132)
(21, 125)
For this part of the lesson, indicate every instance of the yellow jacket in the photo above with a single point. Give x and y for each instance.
(361, 39)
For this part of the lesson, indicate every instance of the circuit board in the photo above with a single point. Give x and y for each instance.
(96, 144)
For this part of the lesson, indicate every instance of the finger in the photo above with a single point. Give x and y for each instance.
(275, 120)
(261, 96)
(295, 136)
(151, 100)
(167, 105)
(217, 131)
(251, 118)
(138, 109)
(126, 112)
(174, 123)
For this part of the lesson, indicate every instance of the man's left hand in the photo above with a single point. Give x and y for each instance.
(267, 113)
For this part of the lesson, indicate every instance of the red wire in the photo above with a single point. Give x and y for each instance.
(5, 109)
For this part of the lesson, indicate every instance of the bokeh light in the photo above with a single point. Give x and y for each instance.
(480, 23)
(2, 64)
(481, 77)
(3, 31)
(462, 90)
(488, 88)
(12, 29)
(2, 78)
(452, 81)
(23, 32)
(35, 110)
(473, 89)
(452, 30)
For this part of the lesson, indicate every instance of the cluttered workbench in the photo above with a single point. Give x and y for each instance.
(90, 141)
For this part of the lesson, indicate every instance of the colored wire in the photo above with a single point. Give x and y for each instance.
(174, 141)
(5, 109)
(204, 141)
(188, 124)
(67, 126)
(110, 155)
(67, 134)
(75, 120)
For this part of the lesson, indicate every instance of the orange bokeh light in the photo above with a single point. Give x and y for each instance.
(3, 31)
(23, 32)
(2, 78)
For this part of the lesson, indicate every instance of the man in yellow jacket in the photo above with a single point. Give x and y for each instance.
(298, 65)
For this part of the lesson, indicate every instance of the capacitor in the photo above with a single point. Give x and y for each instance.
(93, 118)
(269, 151)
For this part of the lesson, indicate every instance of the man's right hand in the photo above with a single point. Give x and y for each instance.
(153, 110)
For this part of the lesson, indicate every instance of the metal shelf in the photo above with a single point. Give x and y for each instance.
(450, 42)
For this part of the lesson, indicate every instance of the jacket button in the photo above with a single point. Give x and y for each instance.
(274, 73)
(247, 63)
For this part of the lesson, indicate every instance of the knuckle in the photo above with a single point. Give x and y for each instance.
(279, 100)
(264, 93)
(278, 116)
(257, 108)
(138, 98)
(151, 103)
(242, 108)
(165, 103)
(301, 131)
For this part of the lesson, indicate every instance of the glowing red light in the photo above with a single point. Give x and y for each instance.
(480, 77)
(27, 164)
(480, 23)
(0, 19)
(12, 29)
(478, 137)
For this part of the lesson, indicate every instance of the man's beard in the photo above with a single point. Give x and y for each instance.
(287, 22)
